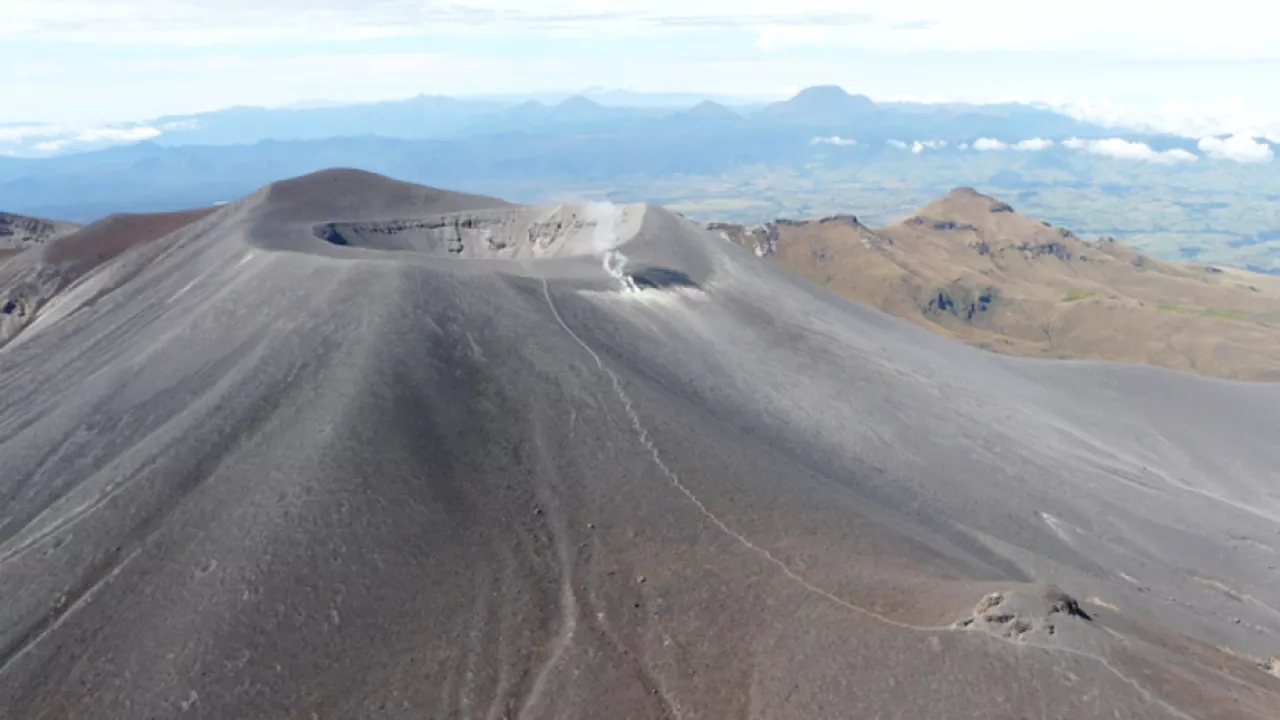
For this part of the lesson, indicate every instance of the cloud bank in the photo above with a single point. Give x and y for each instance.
(1033, 145)
(1241, 148)
(251, 22)
(1130, 150)
(1029, 145)
(933, 25)
(1183, 118)
(121, 135)
(55, 138)
(21, 133)
(833, 140)
(920, 146)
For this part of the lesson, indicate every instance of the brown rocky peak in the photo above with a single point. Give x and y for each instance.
(966, 203)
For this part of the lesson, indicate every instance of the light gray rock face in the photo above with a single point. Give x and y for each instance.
(250, 471)
(18, 231)
(510, 233)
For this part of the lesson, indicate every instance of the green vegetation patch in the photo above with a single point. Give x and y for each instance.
(1075, 294)
(1220, 313)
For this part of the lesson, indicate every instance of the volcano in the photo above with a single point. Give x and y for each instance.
(349, 447)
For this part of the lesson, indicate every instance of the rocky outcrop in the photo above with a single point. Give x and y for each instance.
(759, 239)
(1018, 616)
(962, 301)
(940, 224)
(841, 219)
(1055, 249)
(27, 291)
(763, 239)
(1273, 666)
(19, 232)
(504, 233)
(1060, 602)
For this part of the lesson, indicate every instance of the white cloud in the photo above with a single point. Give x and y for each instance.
(1223, 116)
(1130, 150)
(920, 146)
(117, 134)
(1177, 155)
(1132, 29)
(19, 133)
(54, 138)
(989, 144)
(1125, 52)
(212, 22)
(1240, 148)
(1033, 144)
(1120, 148)
(963, 146)
(1029, 145)
(833, 140)
(897, 144)
(1109, 147)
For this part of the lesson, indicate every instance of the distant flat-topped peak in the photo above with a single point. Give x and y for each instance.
(823, 92)
(832, 95)
(820, 105)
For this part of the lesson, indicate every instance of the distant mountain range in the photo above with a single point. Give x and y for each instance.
(528, 151)
(439, 118)
(822, 151)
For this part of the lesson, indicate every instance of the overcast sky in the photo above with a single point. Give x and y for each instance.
(1185, 64)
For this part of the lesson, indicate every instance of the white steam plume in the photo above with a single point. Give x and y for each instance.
(615, 264)
(605, 241)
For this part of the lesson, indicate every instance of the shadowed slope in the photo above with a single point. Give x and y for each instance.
(268, 475)
(43, 271)
(114, 234)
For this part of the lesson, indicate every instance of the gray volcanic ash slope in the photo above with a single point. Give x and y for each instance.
(353, 448)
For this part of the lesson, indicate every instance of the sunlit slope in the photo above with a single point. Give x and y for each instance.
(969, 267)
